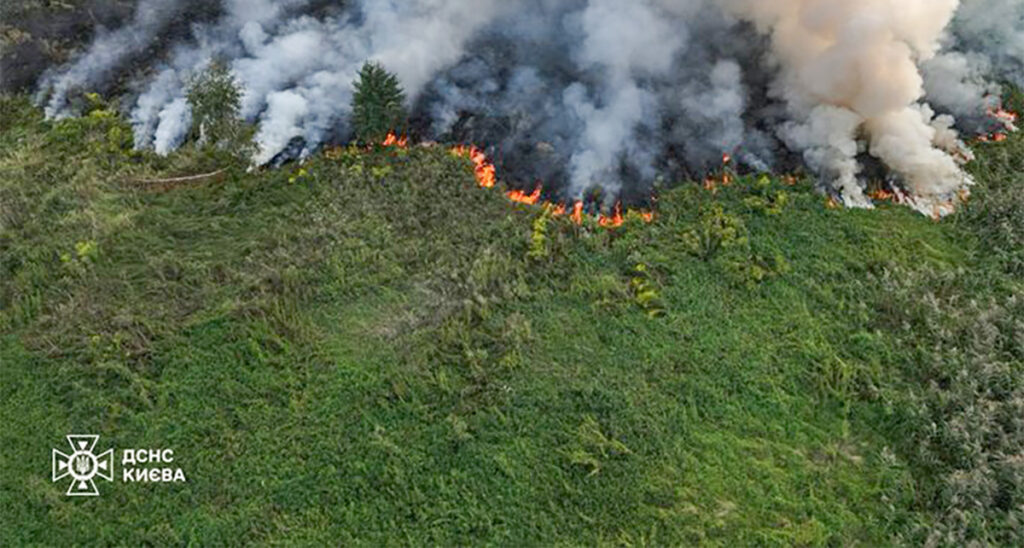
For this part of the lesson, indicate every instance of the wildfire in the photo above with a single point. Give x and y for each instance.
(997, 137)
(393, 140)
(883, 195)
(1006, 119)
(940, 211)
(577, 213)
(486, 175)
(615, 220)
(711, 182)
(521, 197)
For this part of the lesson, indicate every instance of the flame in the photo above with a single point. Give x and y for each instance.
(711, 182)
(997, 137)
(393, 140)
(577, 213)
(883, 195)
(521, 197)
(486, 175)
(615, 221)
(939, 211)
(1007, 119)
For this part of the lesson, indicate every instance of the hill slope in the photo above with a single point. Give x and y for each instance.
(370, 348)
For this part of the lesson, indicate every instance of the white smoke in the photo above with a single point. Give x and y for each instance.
(625, 42)
(106, 54)
(583, 93)
(993, 30)
(316, 62)
(855, 67)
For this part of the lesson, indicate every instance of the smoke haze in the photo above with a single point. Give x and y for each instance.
(585, 95)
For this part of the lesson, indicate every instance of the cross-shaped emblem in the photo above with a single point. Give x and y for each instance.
(83, 465)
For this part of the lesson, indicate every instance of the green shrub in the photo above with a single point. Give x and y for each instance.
(645, 291)
(538, 236)
(100, 131)
(751, 269)
(765, 199)
(716, 231)
(723, 238)
(378, 106)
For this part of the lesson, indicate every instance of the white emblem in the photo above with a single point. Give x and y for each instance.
(83, 466)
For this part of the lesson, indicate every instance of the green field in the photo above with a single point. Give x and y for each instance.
(368, 349)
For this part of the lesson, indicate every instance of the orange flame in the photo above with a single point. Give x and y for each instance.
(616, 220)
(711, 182)
(486, 175)
(1007, 119)
(521, 197)
(393, 140)
(883, 195)
(577, 213)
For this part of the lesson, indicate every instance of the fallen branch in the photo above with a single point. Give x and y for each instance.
(178, 180)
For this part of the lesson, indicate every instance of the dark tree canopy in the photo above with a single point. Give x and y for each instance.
(378, 106)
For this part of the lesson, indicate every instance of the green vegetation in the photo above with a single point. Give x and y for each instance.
(378, 105)
(369, 349)
(215, 100)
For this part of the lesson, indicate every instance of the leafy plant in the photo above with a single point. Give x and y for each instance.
(645, 291)
(378, 106)
(538, 236)
(766, 200)
(215, 98)
(592, 447)
(716, 231)
(750, 269)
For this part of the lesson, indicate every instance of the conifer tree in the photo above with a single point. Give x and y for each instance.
(378, 106)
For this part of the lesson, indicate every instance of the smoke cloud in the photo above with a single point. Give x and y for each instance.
(599, 97)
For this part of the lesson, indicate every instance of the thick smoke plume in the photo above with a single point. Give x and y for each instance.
(599, 97)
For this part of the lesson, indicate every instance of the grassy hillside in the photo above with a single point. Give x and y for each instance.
(369, 349)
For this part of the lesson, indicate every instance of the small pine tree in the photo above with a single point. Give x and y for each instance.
(216, 100)
(378, 106)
